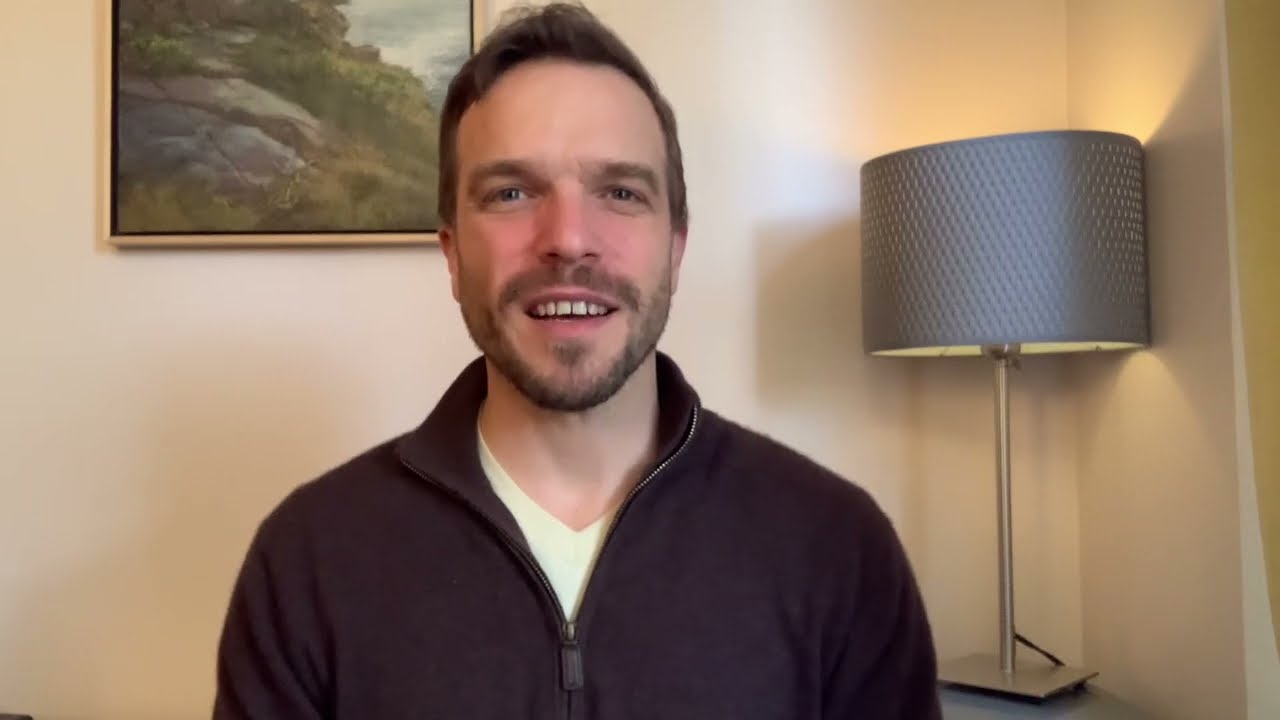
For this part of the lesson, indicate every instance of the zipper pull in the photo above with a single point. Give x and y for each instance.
(570, 659)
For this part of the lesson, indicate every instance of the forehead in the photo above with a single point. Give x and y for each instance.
(561, 112)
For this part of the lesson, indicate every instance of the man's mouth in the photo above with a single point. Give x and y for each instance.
(568, 305)
(567, 310)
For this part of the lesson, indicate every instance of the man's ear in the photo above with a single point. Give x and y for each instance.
(678, 240)
(449, 244)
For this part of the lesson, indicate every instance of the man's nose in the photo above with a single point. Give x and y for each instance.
(564, 231)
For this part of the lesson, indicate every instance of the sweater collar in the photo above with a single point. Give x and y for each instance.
(444, 449)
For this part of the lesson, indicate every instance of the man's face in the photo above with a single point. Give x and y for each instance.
(563, 255)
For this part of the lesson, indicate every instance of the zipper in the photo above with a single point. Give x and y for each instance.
(570, 659)
(626, 501)
(571, 671)
(688, 435)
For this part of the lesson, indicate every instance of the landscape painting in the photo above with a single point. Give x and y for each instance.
(249, 121)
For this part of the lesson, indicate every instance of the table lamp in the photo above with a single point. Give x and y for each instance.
(1005, 246)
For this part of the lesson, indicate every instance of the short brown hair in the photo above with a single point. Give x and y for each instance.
(563, 31)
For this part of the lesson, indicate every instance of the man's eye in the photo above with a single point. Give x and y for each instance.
(508, 194)
(623, 194)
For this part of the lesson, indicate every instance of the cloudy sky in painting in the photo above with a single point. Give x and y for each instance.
(430, 37)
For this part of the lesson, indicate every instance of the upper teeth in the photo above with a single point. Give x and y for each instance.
(567, 308)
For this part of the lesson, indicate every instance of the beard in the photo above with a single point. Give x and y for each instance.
(574, 385)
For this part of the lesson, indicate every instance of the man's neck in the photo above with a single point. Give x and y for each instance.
(577, 466)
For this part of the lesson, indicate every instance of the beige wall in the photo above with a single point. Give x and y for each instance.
(1251, 30)
(154, 405)
(1160, 532)
(157, 404)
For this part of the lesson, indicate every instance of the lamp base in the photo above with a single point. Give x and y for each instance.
(1029, 682)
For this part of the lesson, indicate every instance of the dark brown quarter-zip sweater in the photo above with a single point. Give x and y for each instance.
(739, 581)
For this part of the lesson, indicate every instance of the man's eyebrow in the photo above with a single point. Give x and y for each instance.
(485, 172)
(607, 170)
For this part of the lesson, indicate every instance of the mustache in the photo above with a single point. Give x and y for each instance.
(583, 276)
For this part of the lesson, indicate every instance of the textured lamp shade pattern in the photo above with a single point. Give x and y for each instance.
(1036, 239)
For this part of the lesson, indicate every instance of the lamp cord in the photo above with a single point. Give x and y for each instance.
(1019, 637)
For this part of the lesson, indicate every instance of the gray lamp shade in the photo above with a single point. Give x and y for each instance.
(1035, 239)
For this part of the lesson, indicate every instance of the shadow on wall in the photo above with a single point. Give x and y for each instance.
(812, 371)
(919, 435)
(130, 629)
(1157, 429)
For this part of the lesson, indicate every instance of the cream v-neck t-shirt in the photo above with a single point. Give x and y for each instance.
(565, 555)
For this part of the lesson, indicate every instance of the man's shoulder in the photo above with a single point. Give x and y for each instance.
(352, 489)
(767, 469)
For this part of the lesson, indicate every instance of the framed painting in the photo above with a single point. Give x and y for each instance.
(277, 122)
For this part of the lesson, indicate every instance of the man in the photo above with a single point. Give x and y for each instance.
(569, 534)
